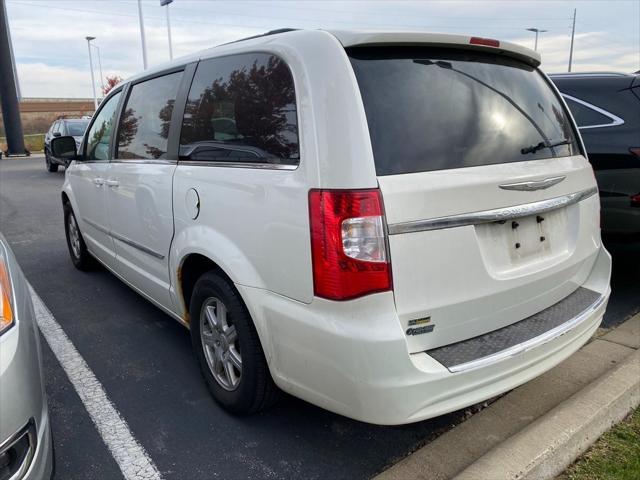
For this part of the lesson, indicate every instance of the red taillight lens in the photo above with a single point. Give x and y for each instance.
(348, 243)
(635, 200)
(489, 42)
(635, 151)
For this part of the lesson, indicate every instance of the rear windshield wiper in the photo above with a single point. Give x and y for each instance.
(541, 145)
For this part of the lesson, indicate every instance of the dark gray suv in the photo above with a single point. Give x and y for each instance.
(606, 107)
(73, 127)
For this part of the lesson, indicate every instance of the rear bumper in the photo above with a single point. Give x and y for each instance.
(350, 359)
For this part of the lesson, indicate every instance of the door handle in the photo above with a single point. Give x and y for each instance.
(112, 183)
(98, 181)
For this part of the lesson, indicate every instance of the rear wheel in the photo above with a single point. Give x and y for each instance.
(51, 166)
(80, 256)
(227, 347)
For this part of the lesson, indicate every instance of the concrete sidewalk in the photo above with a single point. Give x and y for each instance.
(538, 429)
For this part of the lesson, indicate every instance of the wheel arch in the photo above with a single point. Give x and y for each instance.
(195, 264)
(190, 269)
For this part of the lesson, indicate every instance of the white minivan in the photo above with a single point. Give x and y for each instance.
(390, 225)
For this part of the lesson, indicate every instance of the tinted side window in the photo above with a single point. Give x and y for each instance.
(100, 132)
(144, 126)
(586, 116)
(241, 108)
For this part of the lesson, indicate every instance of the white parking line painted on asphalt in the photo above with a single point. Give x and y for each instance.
(131, 457)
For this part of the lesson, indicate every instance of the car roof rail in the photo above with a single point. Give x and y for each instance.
(590, 74)
(266, 34)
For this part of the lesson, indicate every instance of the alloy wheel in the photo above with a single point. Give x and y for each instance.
(74, 236)
(220, 344)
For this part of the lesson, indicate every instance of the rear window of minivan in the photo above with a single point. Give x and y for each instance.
(433, 109)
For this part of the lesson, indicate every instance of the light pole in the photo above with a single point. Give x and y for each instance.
(93, 80)
(144, 43)
(162, 4)
(573, 34)
(537, 31)
(99, 65)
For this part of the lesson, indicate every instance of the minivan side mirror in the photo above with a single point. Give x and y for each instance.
(64, 148)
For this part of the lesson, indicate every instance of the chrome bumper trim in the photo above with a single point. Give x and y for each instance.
(532, 343)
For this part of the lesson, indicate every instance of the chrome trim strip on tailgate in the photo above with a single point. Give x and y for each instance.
(489, 216)
(529, 344)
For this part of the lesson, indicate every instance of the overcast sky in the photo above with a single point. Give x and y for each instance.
(52, 60)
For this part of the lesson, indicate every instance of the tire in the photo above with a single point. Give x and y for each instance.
(254, 390)
(80, 256)
(51, 166)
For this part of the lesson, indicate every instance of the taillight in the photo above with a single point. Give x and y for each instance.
(488, 42)
(635, 151)
(348, 243)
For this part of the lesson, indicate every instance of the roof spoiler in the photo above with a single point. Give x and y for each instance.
(442, 40)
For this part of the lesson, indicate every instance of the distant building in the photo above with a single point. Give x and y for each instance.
(38, 114)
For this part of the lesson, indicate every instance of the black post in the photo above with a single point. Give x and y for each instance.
(8, 93)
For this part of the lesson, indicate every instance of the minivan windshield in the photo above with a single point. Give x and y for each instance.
(434, 108)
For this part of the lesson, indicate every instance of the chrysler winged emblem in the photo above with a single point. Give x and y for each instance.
(533, 185)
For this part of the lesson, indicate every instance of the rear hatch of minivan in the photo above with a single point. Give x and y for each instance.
(491, 206)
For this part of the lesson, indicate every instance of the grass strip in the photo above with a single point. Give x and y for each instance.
(615, 455)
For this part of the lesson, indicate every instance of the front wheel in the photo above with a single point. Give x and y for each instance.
(227, 347)
(80, 256)
(51, 166)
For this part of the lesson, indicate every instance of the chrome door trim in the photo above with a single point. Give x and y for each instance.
(615, 120)
(97, 226)
(141, 161)
(531, 343)
(259, 166)
(534, 184)
(129, 242)
(490, 216)
(136, 245)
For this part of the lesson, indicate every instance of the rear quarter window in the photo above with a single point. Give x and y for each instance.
(586, 116)
(241, 109)
(433, 109)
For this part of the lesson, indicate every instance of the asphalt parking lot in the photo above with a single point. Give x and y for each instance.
(143, 359)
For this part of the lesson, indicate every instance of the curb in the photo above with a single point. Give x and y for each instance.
(541, 427)
(548, 446)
